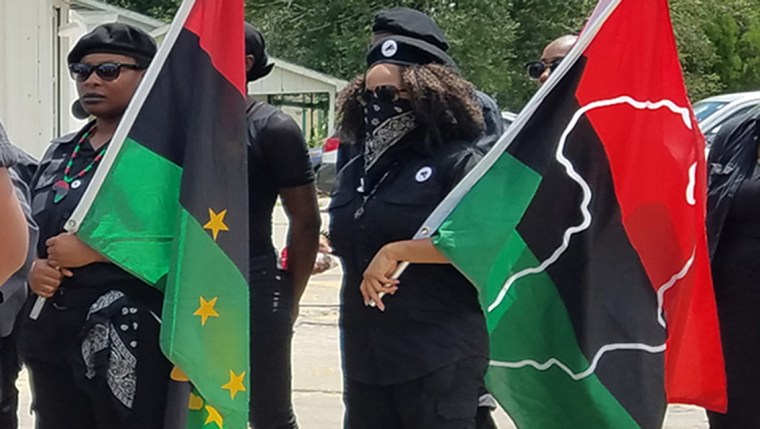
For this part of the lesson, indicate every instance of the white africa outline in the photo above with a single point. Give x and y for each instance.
(573, 230)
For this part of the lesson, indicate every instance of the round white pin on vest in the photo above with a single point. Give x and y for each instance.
(76, 184)
(423, 174)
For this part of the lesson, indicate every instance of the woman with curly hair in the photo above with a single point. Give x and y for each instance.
(417, 357)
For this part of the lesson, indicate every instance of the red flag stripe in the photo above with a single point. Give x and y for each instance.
(666, 157)
(219, 27)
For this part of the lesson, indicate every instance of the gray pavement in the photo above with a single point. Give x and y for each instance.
(316, 360)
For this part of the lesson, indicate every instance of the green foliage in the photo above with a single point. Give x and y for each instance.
(159, 9)
(719, 40)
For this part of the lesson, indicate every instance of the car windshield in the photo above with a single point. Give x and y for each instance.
(703, 109)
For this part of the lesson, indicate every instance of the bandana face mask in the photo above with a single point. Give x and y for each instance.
(387, 120)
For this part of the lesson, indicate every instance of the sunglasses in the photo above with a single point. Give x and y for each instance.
(386, 93)
(536, 68)
(80, 72)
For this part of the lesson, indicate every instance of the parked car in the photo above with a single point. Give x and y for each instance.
(327, 169)
(713, 112)
(315, 158)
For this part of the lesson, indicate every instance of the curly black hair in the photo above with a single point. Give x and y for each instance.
(444, 104)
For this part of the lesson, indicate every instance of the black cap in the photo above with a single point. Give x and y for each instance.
(406, 51)
(255, 45)
(115, 38)
(404, 21)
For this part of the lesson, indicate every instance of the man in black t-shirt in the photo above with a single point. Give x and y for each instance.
(278, 166)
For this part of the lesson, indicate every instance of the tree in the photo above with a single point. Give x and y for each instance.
(718, 40)
(159, 9)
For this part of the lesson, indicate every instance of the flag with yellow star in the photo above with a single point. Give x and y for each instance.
(169, 204)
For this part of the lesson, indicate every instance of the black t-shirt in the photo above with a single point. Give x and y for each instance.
(91, 280)
(434, 319)
(278, 158)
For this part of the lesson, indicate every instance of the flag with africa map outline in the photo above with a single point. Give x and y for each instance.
(584, 233)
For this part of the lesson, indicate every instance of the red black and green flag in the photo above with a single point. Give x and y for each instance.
(170, 204)
(584, 232)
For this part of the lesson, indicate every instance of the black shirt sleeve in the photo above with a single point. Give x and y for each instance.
(285, 152)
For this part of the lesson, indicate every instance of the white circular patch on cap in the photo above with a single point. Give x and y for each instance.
(389, 48)
(423, 174)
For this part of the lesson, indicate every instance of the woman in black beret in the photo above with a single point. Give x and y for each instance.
(92, 352)
(416, 357)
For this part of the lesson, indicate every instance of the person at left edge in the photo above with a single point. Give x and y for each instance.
(93, 353)
(13, 291)
(278, 165)
(13, 234)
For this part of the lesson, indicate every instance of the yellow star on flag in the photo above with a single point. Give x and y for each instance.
(195, 402)
(178, 375)
(214, 417)
(235, 384)
(216, 223)
(206, 310)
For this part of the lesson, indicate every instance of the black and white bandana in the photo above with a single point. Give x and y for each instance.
(386, 123)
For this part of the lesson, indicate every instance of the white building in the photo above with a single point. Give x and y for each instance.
(36, 91)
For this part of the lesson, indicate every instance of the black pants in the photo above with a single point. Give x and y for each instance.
(9, 369)
(50, 348)
(737, 293)
(444, 399)
(271, 309)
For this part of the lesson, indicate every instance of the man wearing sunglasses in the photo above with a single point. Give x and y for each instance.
(552, 56)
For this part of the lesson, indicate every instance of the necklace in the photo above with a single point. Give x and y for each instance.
(61, 187)
(366, 197)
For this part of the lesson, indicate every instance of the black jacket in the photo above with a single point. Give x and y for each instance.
(435, 319)
(732, 158)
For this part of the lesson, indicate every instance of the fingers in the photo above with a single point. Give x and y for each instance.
(45, 290)
(45, 279)
(372, 292)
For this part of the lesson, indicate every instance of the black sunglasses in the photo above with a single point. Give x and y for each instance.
(386, 93)
(536, 68)
(106, 71)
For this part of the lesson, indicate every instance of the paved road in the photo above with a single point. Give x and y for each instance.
(316, 356)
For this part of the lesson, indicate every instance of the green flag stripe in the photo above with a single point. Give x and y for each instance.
(142, 242)
(488, 252)
(530, 393)
(204, 270)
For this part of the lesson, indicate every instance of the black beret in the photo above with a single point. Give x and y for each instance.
(255, 45)
(115, 38)
(407, 51)
(404, 21)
